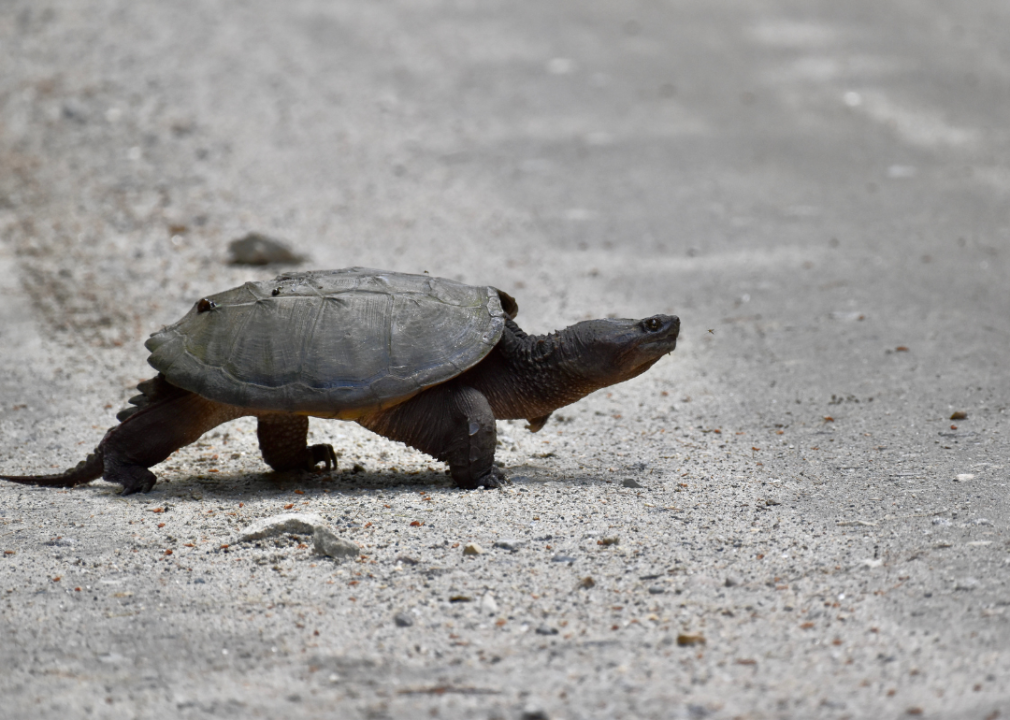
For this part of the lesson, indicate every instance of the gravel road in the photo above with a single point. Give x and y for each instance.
(783, 519)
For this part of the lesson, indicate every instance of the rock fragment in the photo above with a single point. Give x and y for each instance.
(286, 524)
(326, 543)
(259, 249)
(689, 639)
(488, 604)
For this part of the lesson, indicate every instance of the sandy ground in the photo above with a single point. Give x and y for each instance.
(819, 190)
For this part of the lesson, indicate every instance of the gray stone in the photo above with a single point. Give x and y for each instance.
(276, 525)
(326, 543)
(258, 249)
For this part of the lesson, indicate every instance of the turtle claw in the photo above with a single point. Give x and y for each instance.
(495, 478)
(321, 454)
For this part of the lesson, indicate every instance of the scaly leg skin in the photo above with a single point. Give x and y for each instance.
(283, 442)
(451, 422)
(155, 431)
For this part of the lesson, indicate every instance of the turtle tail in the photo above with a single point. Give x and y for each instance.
(87, 470)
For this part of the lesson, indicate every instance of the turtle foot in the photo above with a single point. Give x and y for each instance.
(133, 478)
(325, 454)
(493, 478)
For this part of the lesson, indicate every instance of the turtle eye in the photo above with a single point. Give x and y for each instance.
(653, 324)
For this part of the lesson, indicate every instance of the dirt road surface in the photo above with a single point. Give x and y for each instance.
(819, 190)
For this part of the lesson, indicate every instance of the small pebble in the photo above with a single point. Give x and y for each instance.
(403, 619)
(631, 483)
(563, 558)
(473, 549)
(657, 590)
(510, 544)
(544, 630)
(688, 639)
(488, 604)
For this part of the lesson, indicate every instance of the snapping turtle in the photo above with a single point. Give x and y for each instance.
(423, 360)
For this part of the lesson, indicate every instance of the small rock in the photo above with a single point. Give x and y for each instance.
(967, 584)
(959, 415)
(403, 619)
(964, 477)
(689, 639)
(510, 544)
(408, 560)
(657, 590)
(607, 541)
(544, 630)
(587, 582)
(563, 558)
(631, 483)
(288, 523)
(326, 543)
(488, 604)
(534, 715)
(731, 582)
(61, 542)
(473, 549)
(258, 249)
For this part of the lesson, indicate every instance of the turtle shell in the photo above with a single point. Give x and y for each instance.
(335, 343)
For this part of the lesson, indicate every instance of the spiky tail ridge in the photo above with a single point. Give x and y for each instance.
(87, 470)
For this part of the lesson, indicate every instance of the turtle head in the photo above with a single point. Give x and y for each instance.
(612, 351)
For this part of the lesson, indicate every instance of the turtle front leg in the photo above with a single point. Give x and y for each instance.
(451, 422)
(284, 443)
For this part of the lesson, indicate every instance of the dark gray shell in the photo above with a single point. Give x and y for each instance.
(329, 342)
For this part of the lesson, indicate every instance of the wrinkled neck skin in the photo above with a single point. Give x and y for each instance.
(530, 376)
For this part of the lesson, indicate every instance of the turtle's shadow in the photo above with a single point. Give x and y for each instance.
(245, 486)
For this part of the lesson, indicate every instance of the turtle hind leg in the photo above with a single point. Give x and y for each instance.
(284, 444)
(170, 420)
(451, 422)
